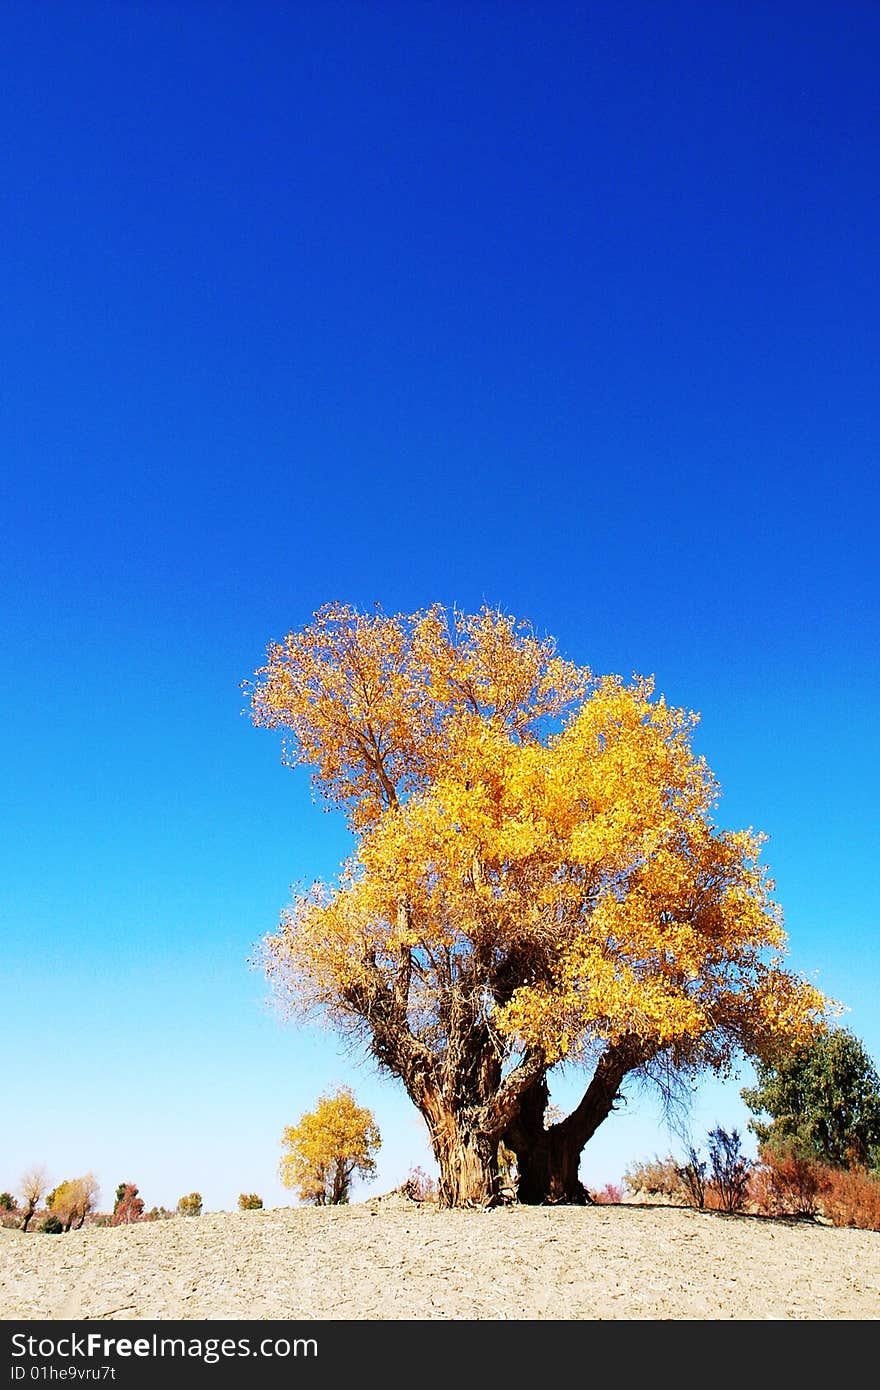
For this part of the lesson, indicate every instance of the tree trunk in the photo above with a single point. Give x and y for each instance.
(342, 1171)
(28, 1217)
(468, 1163)
(465, 1101)
(548, 1169)
(548, 1160)
(466, 1134)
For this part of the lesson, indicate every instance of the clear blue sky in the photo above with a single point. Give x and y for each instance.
(566, 308)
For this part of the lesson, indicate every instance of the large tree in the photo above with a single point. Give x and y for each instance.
(536, 878)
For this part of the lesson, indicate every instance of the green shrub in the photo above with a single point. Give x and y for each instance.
(249, 1201)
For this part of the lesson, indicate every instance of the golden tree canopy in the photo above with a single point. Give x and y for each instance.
(328, 1146)
(533, 840)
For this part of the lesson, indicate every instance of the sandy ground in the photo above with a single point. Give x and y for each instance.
(391, 1259)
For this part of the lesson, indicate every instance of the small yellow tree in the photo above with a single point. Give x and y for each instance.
(73, 1200)
(327, 1147)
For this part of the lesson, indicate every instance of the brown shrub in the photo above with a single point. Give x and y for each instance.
(712, 1198)
(782, 1184)
(716, 1199)
(853, 1199)
(658, 1177)
(419, 1186)
(250, 1201)
(609, 1195)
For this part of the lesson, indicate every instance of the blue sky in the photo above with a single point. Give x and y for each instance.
(569, 309)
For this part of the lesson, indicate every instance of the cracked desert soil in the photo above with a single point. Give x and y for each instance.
(385, 1260)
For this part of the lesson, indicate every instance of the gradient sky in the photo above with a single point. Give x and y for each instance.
(566, 308)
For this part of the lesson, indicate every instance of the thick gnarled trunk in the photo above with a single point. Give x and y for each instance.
(549, 1170)
(466, 1135)
(468, 1163)
(463, 1097)
(548, 1160)
(470, 1108)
